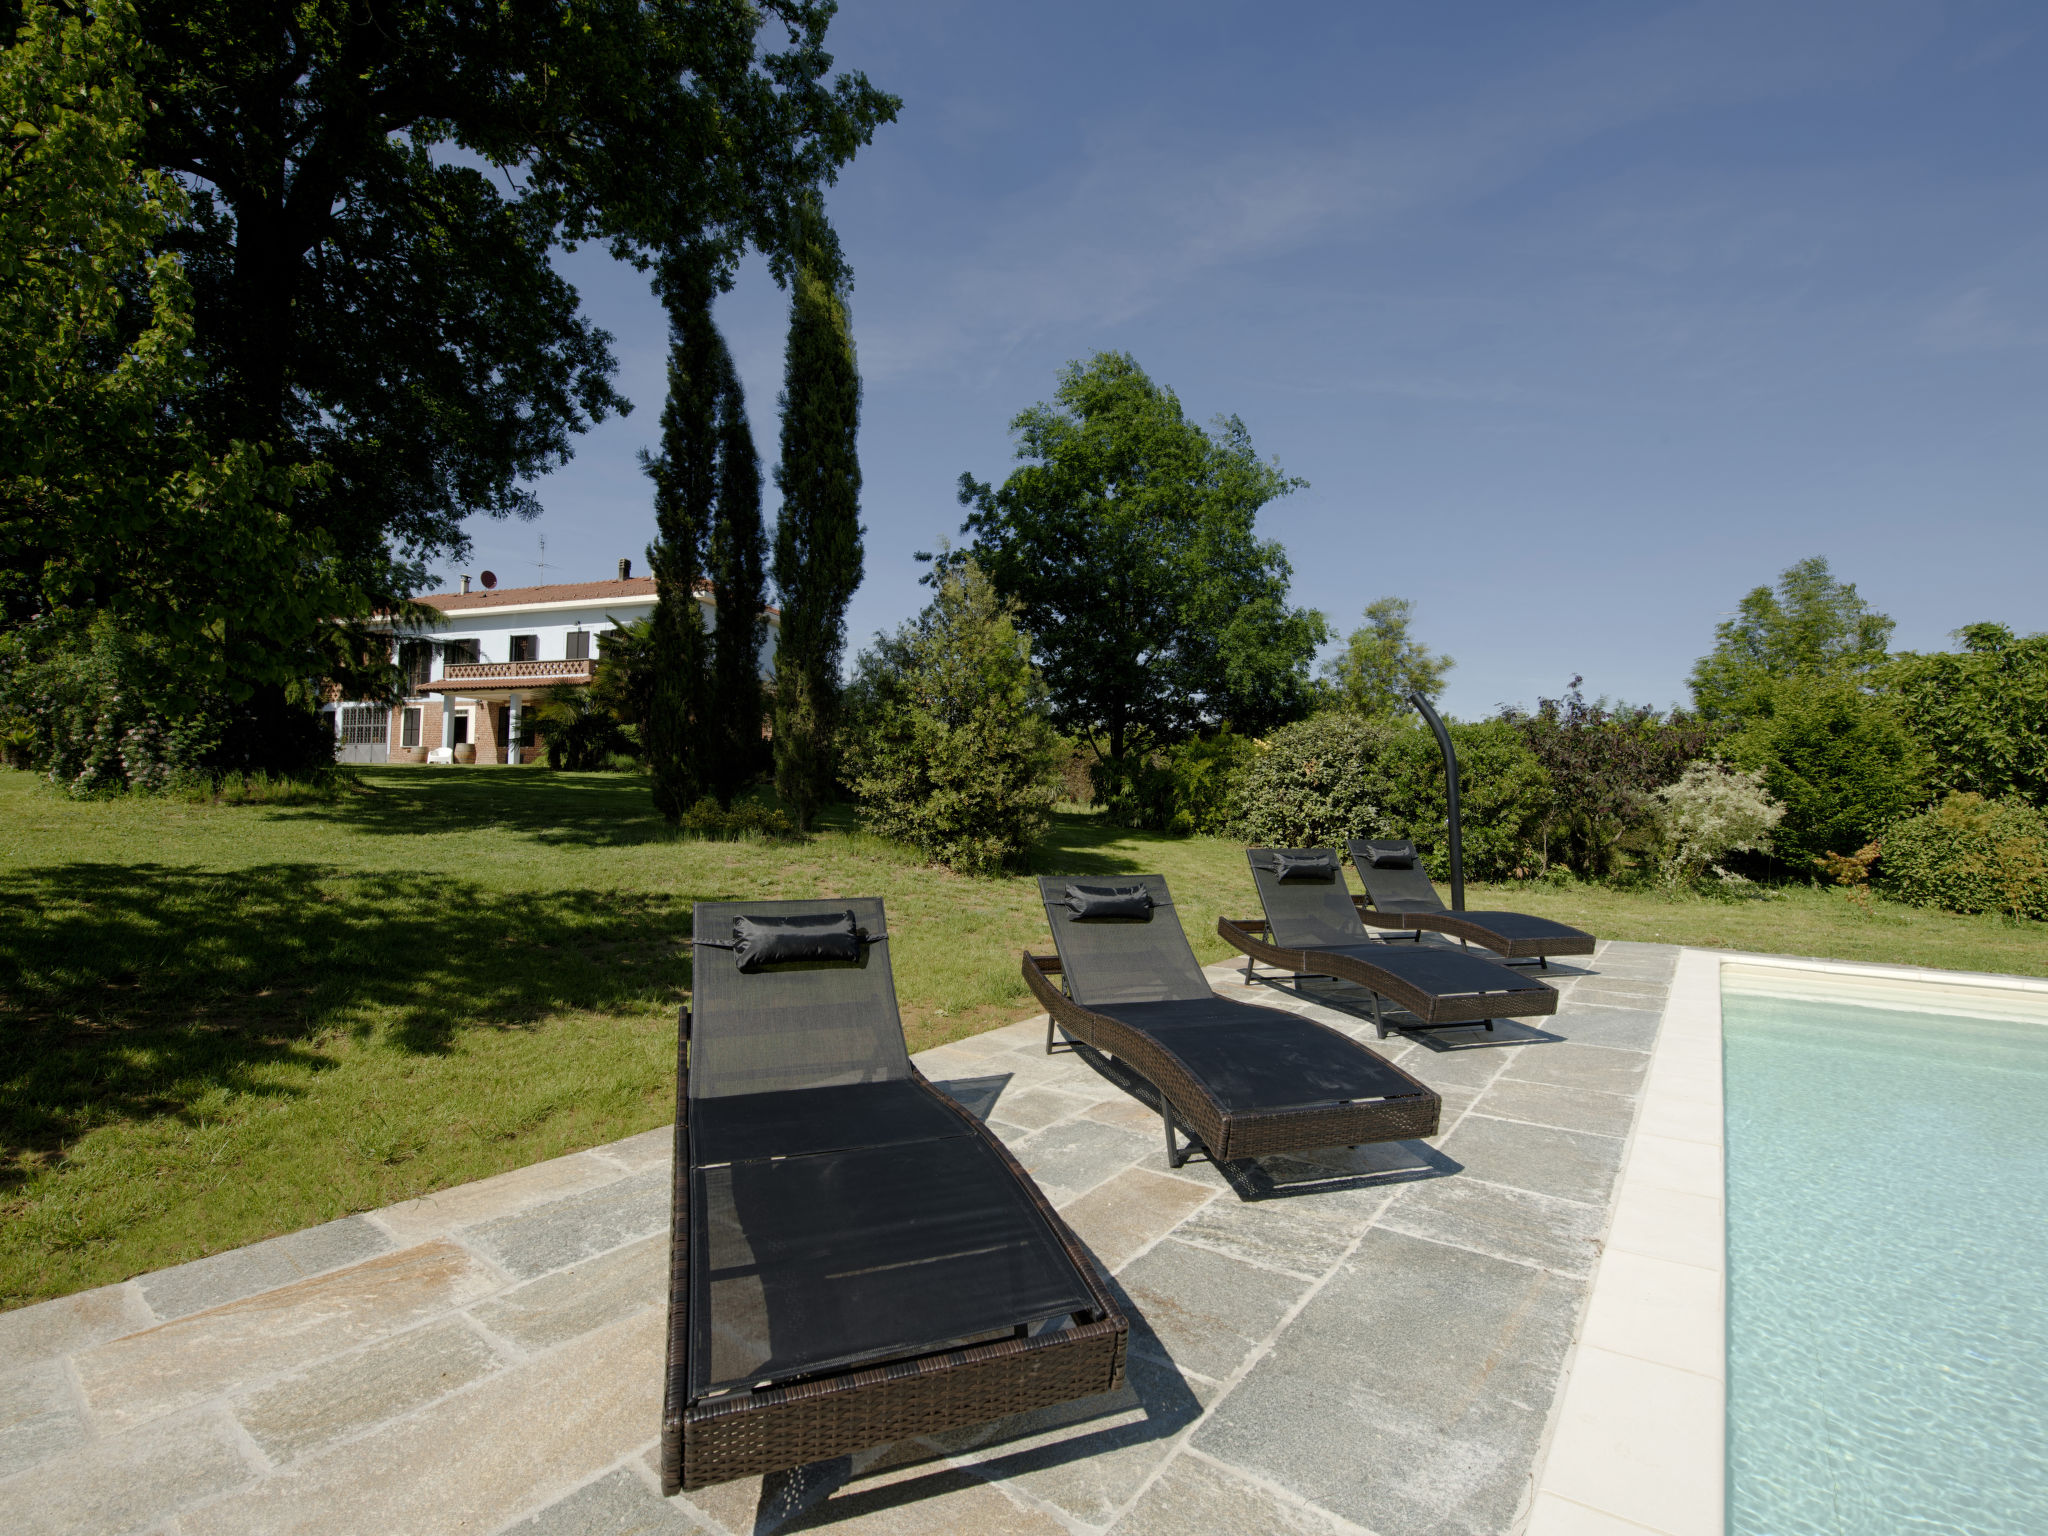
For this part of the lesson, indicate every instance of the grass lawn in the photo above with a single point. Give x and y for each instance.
(219, 1023)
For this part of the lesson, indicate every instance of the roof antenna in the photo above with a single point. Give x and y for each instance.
(542, 562)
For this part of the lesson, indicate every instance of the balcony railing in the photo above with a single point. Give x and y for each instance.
(510, 674)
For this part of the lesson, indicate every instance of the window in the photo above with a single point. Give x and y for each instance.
(416, 661)
(577, 646)
(409, 728)
(458, 653)
(525, 648)
(364, 724)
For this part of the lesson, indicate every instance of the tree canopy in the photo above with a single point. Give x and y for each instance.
(1127, 539)
(321, 290)
(818, 555)
(1810, 626)
(1380, 665)
(1982, 711)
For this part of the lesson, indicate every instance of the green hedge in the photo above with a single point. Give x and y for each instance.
(1969, 854)
(1338, 775)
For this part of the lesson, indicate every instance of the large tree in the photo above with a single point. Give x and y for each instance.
(1128, 539)
(1381, 664)
(1982, 711)
(736, 563)
(685, 475)
(376, 195)
(1811, 626)
(817, 531)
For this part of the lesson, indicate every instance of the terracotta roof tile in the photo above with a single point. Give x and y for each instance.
(634, 587)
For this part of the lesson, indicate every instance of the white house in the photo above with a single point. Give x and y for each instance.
(467, 680)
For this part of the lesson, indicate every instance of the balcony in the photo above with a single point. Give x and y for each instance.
(506, 676)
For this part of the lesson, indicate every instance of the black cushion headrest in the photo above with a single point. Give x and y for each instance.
(1383, 854)
(1096, 901)
(1291, 864)
(831, 937)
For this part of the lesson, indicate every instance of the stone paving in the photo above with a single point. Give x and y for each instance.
(1356, 1341)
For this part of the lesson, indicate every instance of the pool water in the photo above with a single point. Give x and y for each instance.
(1887, 1271)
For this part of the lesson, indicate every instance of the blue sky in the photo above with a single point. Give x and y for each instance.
(1580, 319)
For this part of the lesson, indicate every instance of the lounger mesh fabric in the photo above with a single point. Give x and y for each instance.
(1144, 975)
(1395, 890)
(840, 1212)
(1124, 960)
(1306, 914)
(1411, 893)
(800, 1026)
(1255, 1058)
(1321, 919)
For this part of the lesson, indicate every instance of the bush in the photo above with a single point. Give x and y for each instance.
(1604, 765)
(707, 819)
(1969, 854)
(1837, 759)
(1711, 812)
(1192, 787)
(1337, 775)
(946, 746)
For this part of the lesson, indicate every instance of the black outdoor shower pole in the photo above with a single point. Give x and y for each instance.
(1443, 742)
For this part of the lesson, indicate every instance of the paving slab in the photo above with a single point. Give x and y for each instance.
(571, 1229)
(40, 1416)
(434, 1215)
(1125, 1214)
(1587, 1023)
(1207, 1309)
(483, 1459)
(1570, 1064)
(1575, 1165)
(1506, 1223)
(1197, 1494)
(621, 1503)
(121, 1484)
(174, 1365)
(580, 1298)
(1410, 1394)
(51, 1328)
(352, 1392)
(226, 1277)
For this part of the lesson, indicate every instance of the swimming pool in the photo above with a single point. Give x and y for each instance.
(1887, 1187)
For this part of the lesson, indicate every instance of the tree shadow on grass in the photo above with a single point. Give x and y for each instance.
(1087, 845)
(585, 810)
(133, 991)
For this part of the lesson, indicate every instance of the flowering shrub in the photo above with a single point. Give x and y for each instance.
(1711, 812)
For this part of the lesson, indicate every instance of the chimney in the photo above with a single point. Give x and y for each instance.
(625, 570)
(465, 583)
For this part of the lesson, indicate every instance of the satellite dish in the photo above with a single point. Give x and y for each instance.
(490, 579)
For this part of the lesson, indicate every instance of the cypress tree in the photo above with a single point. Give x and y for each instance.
(817, 532)
(738, 556)
(685, 485)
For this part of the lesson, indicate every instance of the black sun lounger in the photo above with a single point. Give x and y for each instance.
(1403, 896)
(854, 1258)
(1312, 927)
(1242, 1080)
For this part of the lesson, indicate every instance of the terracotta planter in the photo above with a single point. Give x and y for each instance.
(466, 752)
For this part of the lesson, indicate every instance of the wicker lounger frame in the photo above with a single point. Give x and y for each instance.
(1227, 1134)
(1249, 936)
(834, 1414)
